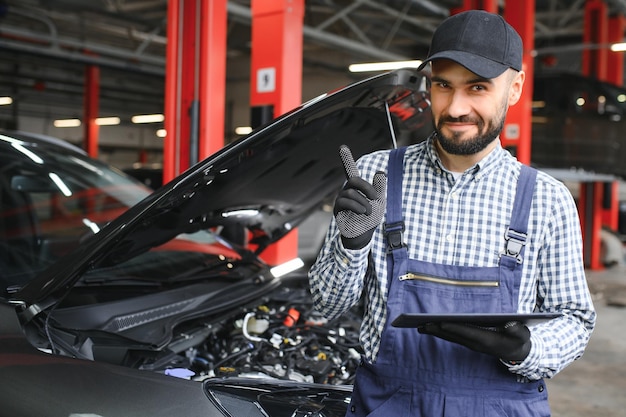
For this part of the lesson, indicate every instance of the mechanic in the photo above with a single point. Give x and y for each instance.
(455, 224)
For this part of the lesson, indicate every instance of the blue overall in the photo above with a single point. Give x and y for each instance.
(425, 376)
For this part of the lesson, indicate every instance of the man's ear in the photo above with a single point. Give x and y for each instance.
(515, 91)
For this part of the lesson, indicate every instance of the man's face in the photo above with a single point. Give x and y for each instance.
(469, 111)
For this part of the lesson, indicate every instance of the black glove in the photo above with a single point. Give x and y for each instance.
(510, 342)
(360, 206)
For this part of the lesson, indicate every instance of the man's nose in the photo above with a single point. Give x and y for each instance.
(458, 105)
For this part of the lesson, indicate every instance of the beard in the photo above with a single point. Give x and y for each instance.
(487, 133)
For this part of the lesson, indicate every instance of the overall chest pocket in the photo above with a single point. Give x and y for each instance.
(428, 293)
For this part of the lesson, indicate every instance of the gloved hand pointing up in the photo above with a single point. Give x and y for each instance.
(360, 206)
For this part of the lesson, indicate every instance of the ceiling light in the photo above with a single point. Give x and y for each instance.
(383, 66)
(161, 133)
(107, 121)
(67, 123)
(618, 47)
(5, 101)
(147, 118)
(243, 130)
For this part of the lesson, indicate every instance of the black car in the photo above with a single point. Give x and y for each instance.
(117, 300)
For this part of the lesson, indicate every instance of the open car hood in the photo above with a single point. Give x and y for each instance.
(266, 182)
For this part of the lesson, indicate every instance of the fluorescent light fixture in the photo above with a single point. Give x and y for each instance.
(383, 66)
(618, 47)
(243, 130)
(287, 267)
(107, 121)
(161, 133)
(147, 118)
(5, 101)
(67, 123)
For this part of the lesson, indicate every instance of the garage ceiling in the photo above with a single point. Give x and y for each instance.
(44, 44)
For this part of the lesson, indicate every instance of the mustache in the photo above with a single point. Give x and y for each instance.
(462, 119)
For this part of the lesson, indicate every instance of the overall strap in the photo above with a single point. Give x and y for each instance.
(517, 232)
(394, 224)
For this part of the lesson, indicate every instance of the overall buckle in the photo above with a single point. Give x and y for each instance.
(515, 242)
(393, 233)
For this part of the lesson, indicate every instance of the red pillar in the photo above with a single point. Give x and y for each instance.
(610, 205)
(276, 78)
(595, 60)
(212, 77)
(91, 108)
(590, 213)
(615, 75)
(517, 133)
(195, 82)
(599, 200)
(615, 70)
(171, 99)
(597, 206)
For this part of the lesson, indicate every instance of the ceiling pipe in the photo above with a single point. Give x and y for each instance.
(59, 53)
(41, 18)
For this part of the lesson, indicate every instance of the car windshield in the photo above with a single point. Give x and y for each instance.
(51, 198)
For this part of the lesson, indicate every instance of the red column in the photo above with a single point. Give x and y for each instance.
(599, 200)
(596, 33)
(615, 64)
(91, 108)
(171, 100)
(212, 77)
(615, 75)
(590, 213)
(517, 133)
(610, 205)
(276, 77)
(195, 83)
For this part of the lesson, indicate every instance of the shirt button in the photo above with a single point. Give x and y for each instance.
(450, 238)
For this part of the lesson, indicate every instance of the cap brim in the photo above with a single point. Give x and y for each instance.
(483, 67)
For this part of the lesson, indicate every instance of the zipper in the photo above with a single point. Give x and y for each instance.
(447, 281)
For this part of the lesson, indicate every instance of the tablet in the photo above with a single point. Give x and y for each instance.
(489, 319)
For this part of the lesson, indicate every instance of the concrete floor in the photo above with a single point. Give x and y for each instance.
(595, 385)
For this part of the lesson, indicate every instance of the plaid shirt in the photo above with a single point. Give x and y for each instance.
(462, 223)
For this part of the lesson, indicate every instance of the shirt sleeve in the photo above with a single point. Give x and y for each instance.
(336, 277)
(561, 287)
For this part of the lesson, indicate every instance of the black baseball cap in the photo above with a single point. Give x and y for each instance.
(482, 42)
